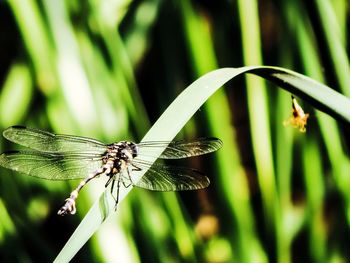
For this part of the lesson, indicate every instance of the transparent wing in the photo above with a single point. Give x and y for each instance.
(180, 149)
(162, 177)
(52, 166)
(48, 142)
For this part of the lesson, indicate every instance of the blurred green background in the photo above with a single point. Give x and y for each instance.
(108, 69)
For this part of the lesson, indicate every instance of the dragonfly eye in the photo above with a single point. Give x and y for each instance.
(134, 150)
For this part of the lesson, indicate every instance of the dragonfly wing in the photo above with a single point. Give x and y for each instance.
(180, 149)
(161, 177)
(51, 166)
(48, 142)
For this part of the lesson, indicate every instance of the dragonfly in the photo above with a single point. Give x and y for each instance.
(66, 157)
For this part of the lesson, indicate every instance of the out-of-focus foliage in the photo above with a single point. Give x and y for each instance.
(107, 69)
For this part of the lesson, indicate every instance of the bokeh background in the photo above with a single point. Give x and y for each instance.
(108, 69)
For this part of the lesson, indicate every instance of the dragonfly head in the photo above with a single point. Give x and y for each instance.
(134, 149)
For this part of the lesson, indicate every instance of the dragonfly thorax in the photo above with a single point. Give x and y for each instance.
(123, 150)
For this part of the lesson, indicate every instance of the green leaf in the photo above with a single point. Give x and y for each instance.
(183, 108)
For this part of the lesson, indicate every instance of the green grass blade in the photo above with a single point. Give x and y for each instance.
(258, 106)
(337, 50)
(15, 95)
(35, 36)
(234, 188)
(176, 116)
(314, 183)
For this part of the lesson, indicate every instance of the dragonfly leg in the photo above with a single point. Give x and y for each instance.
(116, 199)
(127, 185)
(69, 205)
(136, 168)
(113, 180)
(110, 179)
(129, 175)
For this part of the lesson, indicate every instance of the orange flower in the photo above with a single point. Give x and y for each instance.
(299, 118)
